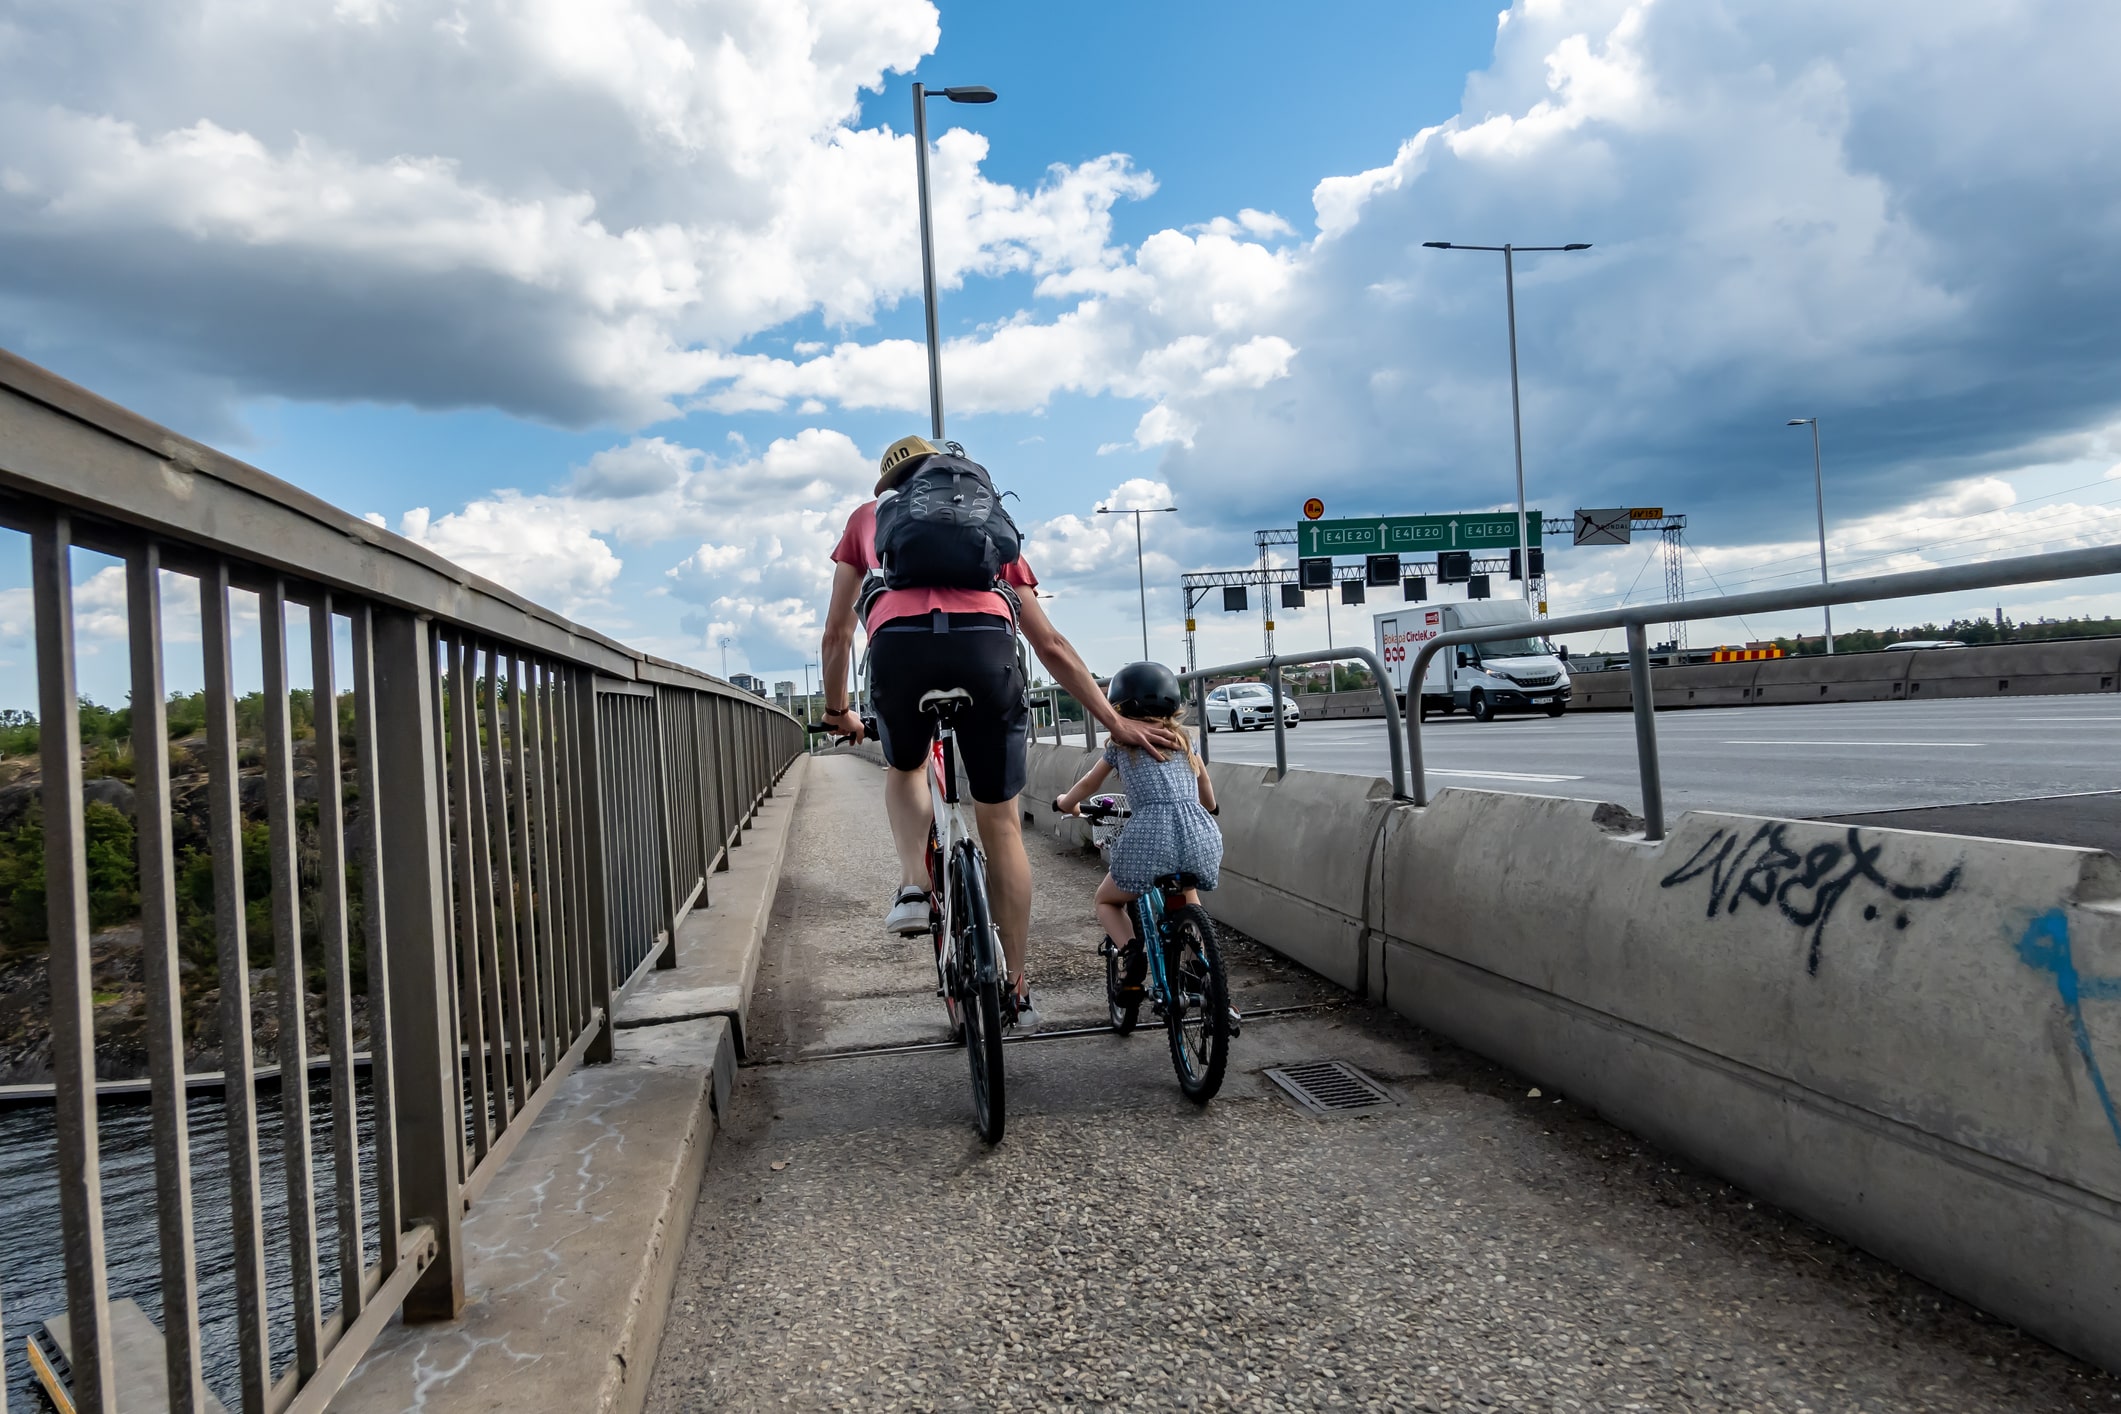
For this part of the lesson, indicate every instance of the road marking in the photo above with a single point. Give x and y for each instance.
(1503, 776)
(1753, 741)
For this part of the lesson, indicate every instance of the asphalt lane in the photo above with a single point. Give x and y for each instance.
(1478, 1247)
(1801, 761)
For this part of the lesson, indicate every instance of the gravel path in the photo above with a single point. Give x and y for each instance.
(1478, 1247)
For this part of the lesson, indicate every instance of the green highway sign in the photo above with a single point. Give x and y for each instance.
(1415, 535)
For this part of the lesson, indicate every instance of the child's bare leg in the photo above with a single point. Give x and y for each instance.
(1112, 912)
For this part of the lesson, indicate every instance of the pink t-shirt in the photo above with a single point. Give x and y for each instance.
(857, 547)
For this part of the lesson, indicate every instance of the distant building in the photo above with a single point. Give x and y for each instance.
(784, 690)
(755, 686)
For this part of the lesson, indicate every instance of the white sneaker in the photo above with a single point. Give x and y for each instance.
(909, 914)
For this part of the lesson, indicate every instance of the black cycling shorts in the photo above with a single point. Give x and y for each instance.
(976, 652)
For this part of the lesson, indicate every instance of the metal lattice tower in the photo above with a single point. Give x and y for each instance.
(1675, 577)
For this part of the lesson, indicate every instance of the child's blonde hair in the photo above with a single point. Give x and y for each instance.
(1176, 725)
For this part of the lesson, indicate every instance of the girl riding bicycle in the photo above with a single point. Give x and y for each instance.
(1170, 802)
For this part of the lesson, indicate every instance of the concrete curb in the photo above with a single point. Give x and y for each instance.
(575, 1245)
(719, 946)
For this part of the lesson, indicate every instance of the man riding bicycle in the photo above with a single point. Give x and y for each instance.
(943, 603)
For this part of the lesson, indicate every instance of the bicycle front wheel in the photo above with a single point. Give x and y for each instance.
(980, 1003)
(1197, 1013)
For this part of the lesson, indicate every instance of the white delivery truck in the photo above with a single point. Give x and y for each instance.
(1516, 672)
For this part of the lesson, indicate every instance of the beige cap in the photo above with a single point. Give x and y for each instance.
(897, 457)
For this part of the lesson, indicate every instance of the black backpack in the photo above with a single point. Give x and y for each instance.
(945, 528)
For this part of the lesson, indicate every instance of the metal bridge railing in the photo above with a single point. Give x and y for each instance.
(496, 818)
(2022, 569)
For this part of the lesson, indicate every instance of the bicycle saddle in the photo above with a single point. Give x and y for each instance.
(945, 701)
(1172, 883)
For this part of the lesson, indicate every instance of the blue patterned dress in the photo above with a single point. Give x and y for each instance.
(1169, 831)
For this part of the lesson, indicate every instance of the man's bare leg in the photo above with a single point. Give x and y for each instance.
(1001, 833)
(906, 802)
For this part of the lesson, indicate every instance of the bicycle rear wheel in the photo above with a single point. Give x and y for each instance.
(980, 1003)
(1197, 1013)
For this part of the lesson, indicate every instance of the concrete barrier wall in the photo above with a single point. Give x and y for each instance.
(1911, 1039)
(2002, 669)
(2017, 669)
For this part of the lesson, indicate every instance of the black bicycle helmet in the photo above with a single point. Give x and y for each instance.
(1145, 690)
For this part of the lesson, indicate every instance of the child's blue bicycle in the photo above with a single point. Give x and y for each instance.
(1185, 982)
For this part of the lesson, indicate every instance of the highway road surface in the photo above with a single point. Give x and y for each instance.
(1830, 760)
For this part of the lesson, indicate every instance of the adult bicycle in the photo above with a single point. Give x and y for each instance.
(970, 973)
(1187, 985)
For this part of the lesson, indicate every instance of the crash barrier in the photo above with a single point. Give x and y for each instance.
(1912, 1040)
(2022, 569)
(504, 814)
(1992, 670)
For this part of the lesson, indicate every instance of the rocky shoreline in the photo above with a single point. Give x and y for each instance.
(118, 976)
(120, 1009)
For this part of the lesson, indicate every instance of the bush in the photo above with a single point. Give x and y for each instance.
(113, 875)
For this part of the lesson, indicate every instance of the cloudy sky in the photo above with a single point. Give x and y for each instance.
(616, 301)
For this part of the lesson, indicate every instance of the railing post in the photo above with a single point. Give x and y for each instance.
(1281, 737)
(595, 859)
(73, 1030)
(427, 1083)
(661, 761)
(1200, 714)
(1645, 701)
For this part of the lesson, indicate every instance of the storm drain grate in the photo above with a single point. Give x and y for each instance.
(1331, 1088)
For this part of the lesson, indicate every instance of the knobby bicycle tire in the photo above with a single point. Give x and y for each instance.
(981, 1005)
(1200, 1058)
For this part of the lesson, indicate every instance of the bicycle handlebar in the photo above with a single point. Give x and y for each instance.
(820, 729)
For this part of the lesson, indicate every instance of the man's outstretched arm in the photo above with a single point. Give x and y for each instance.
(838, 650)
(1068, 669)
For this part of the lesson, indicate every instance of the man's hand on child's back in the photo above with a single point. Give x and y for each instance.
(1149, 736)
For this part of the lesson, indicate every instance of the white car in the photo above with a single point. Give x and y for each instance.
(1907, 644)
(1249, 705)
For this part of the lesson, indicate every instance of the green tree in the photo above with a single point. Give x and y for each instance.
(113, 874)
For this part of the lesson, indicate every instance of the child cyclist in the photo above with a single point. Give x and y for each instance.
(1169, 802)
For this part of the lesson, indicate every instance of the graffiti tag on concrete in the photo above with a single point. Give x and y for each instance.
(1806, 887)
(2046, 948)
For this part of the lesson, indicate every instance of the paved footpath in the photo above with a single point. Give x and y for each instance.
(1477, 1248)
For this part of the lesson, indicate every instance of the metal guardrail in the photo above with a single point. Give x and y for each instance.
(1990, 574)
(1052, 696)
(1272, 667)
(522, 814)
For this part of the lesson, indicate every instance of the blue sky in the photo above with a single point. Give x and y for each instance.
(616, 301)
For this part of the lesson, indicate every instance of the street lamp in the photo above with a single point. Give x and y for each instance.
(973, 93)
(1140, 577)
(1819, 486)
(1509, 285)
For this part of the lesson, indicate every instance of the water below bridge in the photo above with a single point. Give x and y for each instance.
(1478, 1246)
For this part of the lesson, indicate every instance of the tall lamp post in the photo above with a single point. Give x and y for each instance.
(964, 94)
(725, 660)
(1140, 577)
(1509, 285)
(1819, 487)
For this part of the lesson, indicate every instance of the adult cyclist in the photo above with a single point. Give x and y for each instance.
(944, 612)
